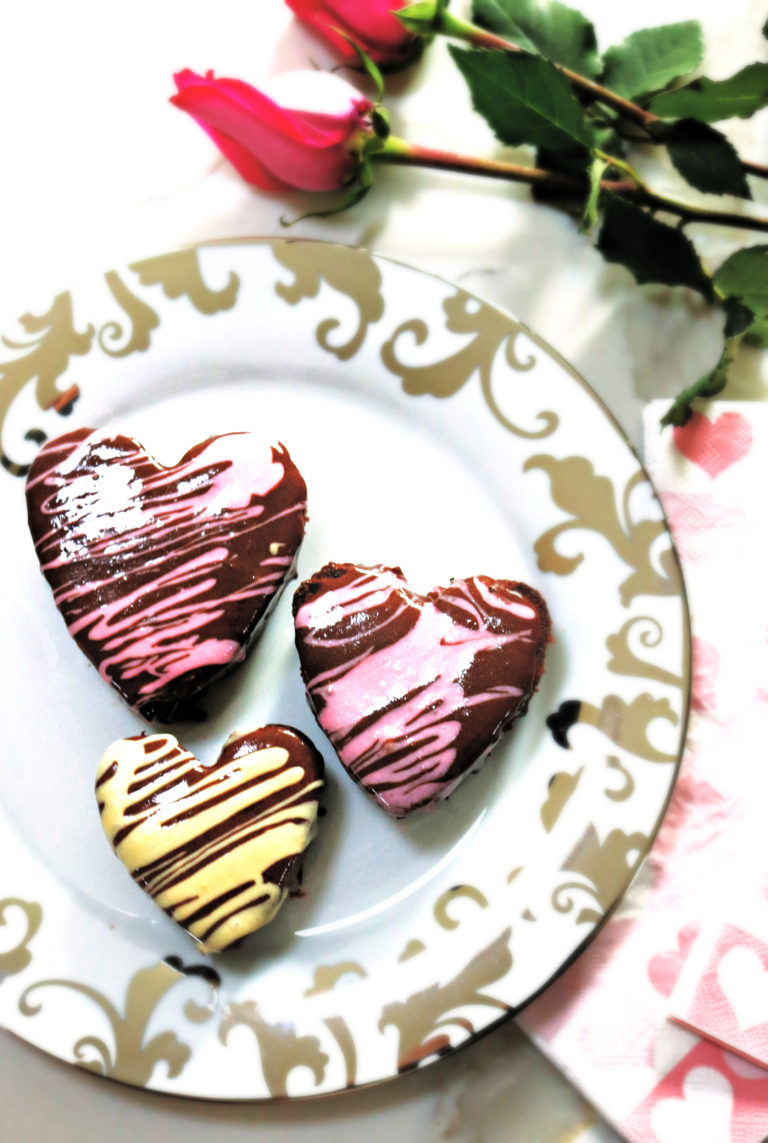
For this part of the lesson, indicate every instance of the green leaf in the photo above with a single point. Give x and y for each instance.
(653, 251)
(710, 100)
(381, 123)
(705, 158)
(523, 98)
(652, 57)
(738, 318)
(366, 63)
(548, 28)
(757, 334)
(745, 276)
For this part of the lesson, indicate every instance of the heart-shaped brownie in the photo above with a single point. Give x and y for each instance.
(214, 846)
(163, 575)
(413, 690)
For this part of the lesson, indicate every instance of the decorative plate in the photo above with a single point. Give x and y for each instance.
(436, 433)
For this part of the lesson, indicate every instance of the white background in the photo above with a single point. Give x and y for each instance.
(99, 169)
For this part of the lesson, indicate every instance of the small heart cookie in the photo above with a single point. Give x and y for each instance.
(214, 846)
(413, 690)
(163, 575)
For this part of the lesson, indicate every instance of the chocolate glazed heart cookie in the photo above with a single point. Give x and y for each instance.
(214, 846)
(413, 690)
(163, 575)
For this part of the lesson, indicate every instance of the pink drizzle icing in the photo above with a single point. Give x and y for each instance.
(408, 676)
(163, 572)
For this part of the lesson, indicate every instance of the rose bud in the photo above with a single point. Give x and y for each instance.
(305, 130)
(369, 23)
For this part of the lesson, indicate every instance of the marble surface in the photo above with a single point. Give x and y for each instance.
(99, 169)
(501, 1090)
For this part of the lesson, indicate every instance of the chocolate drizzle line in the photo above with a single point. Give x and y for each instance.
(164, 575)
(183, 846)
(413, 690)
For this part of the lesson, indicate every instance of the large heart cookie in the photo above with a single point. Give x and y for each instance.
(413, 690)
(163, 575)
(214, 846)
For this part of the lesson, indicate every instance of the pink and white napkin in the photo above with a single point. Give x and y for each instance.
(663, 1021)
(722, 992)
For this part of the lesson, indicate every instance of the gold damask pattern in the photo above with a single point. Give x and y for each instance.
(142, 317)
(628, 724)
(625, 661)
(16, 959)
(43, 359)
(327, 976)
(490, 330)
(591, 502)
(458, 892)
(604, 867)
(180, 276)
(626, 787)
(339, 1029)
(423, 1020)
(130, 1057)
(346, 270)
(413, 948)
(281, 1049)
(54, 337)
(562, 787)
(430, 1021)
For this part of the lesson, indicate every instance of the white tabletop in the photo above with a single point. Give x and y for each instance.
(100, 169)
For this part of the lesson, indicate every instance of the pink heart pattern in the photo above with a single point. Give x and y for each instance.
(734, 1098)
(664, 968)
(729, 1000)
(714, 445)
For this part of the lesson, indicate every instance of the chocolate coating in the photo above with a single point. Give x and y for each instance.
(214, 846)
(164, 575)
(413, 690)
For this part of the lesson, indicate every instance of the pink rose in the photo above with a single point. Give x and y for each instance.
(369, 23)
(304, 129)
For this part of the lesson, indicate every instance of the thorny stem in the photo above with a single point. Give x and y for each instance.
(401, 152)
(690, 214)
(595, 92)
(479, 38)
(756, 169)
